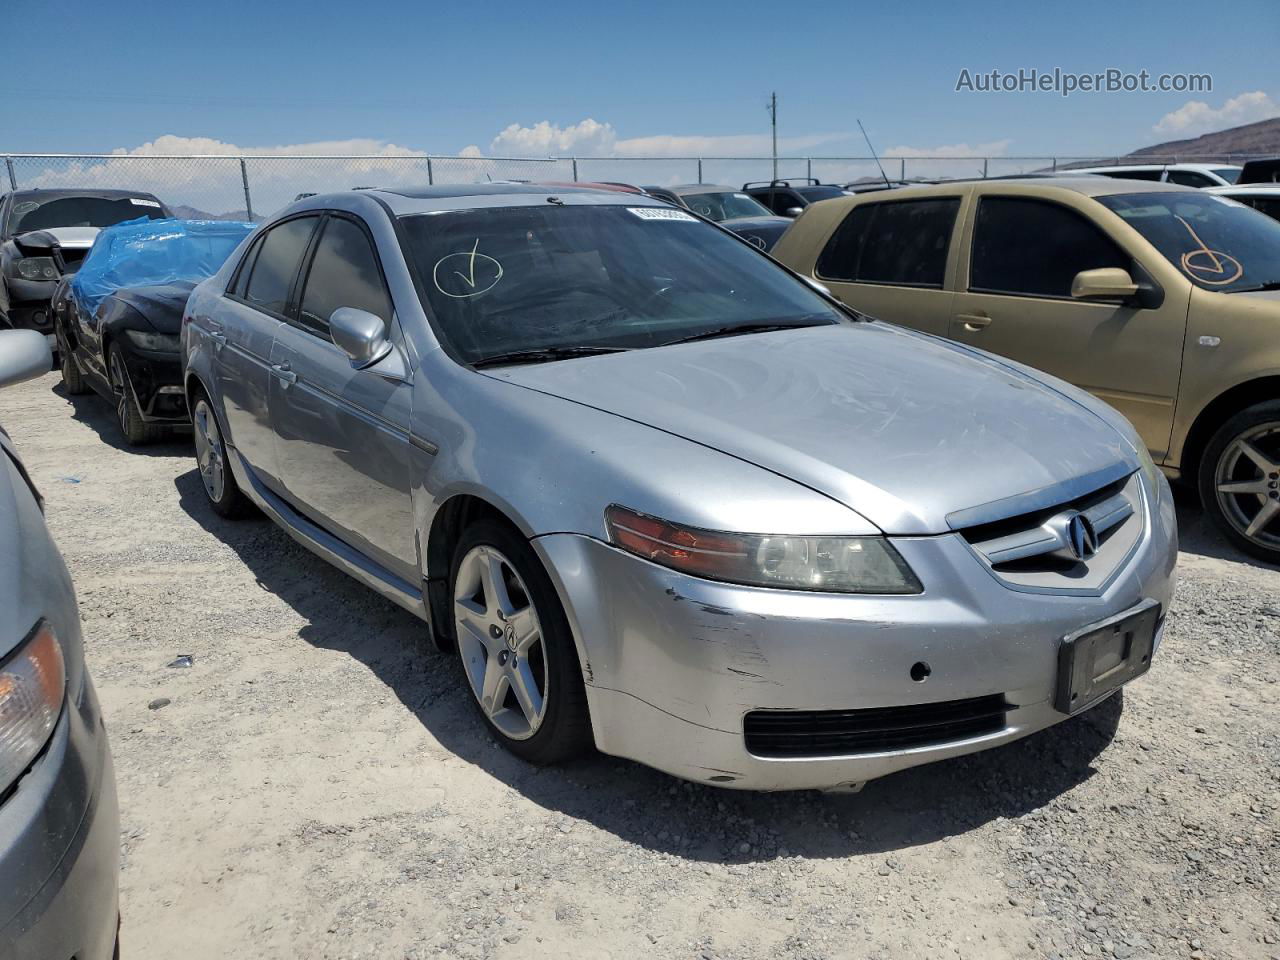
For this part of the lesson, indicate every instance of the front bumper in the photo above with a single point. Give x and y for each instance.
(60, 846)
(29, 304)
(156, 378)
(673, 663)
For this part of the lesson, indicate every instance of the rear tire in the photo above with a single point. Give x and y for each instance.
(136, 430)
(518, 657)
(72, 377)
(1239, 480)
(216, 476)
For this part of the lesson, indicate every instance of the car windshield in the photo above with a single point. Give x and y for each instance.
(549, 277)
(45, 214)
(1218, 243)
(1229, 174)
(724, 205)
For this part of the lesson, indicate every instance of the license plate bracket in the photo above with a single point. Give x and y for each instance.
(1099, 659)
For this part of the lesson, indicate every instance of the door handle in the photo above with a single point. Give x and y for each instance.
(218, 337)
(282, 372)
(973, 322)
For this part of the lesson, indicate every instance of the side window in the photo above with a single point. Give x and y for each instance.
(902, 243)
(788, 199)
(1189, 178)
(1132, 174)
(344, 273)
(1035, 248)
(279, 255)
(246, 267)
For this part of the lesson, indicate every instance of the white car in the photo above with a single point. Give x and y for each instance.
(1263, 197)
(1186, 174)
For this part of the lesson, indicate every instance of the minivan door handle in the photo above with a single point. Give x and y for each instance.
(282, 372)
(973, 321)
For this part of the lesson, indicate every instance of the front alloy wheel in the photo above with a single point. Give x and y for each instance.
(211, 458)
(1240, 480)
(515, 646)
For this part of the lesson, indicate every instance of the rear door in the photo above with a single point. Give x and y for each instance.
(890, 260)
(253, 310)
(1015, 300)
(342, 434)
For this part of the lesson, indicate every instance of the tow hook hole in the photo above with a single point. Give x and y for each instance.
(920, 671)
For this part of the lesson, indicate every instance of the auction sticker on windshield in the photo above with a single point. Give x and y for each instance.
(659, 213)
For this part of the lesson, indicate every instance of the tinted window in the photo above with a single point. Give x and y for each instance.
(277, 264)
(1229, 174)
(1189, 178)
(725, 206)
(1131, 174)
(1268, 205)
(29, 214)
(902, 243)
(1216, 242)
(344, 273)
(246, 267)
(532, 277)
(814, 194)
(1036, 248)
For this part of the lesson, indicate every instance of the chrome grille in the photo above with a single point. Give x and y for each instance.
(1036, 550)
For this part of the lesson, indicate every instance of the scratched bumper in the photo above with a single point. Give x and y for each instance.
(673, 663)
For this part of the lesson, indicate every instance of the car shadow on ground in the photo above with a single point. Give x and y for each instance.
(636, 803)
(97, 413)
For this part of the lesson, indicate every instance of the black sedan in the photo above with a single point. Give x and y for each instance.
(730, 208)
(128, 351)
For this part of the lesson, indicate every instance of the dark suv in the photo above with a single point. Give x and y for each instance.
(787, 198)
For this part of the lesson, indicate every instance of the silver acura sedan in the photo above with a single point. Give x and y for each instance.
(663, 496)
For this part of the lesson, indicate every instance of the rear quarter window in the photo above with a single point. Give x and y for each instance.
(902, 243)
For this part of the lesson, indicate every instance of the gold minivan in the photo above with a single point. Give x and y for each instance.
(1164, 301)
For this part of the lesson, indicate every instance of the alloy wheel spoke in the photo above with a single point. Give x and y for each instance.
(1260, 459)
(1269, 512)
(495, 587)
(525, 688)
(473, 620)
(527, 631)
(1244, 486)
(493, 689)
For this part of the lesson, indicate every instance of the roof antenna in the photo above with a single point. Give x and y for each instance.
(873, 154)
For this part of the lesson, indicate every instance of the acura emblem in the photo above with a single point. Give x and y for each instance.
(1081, 537)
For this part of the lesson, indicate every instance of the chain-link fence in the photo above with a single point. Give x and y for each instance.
(237, 187)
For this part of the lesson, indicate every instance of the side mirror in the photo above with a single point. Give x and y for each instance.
(1105, 283)
(361, 335)
(24, 355)
(794, 212)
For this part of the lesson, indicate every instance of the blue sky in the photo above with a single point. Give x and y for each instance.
(445, 77)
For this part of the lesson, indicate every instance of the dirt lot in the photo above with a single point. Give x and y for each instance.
(316, 785)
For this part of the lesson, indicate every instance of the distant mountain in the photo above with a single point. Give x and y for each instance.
(183, 212)
(1260, 137)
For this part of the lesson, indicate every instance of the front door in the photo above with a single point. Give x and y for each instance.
(1016, 301)
(342, 434)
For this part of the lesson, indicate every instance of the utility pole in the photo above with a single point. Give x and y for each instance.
(773, 120)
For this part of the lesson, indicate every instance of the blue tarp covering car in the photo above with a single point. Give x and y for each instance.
(152, 252)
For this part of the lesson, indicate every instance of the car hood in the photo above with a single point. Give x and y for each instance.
(160, 304)
(901, 427)
(72, 238)
(755, 223)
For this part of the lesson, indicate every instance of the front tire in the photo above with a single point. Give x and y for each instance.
(1239, 480)
(517, 652)
(72, 376)
(128, 414)
(218, 481)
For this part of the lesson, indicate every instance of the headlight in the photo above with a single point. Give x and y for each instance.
(37, 268)
(825, 564)
(167, 342)
(32, 684)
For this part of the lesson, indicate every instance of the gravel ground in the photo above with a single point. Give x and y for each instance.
(316, 784)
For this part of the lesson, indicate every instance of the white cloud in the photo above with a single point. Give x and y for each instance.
(197, 146)
(1196, 117)
(546, 139)
(589, 138)
(992, 148)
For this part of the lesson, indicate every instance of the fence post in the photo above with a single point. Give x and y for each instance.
(984, 167)
(13, 181)
(431, 177)
(575, 169)
(902, 168)
(808, 168)
(1054, 166)
(699, 169)
(244, 179)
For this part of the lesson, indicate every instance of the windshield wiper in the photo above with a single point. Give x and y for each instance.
(738, 328)
(542, 355)
(1260, 288)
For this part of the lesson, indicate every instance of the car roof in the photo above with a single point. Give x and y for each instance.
(1121, 167)
(1086, 185)
(1269, 189)
(59, 192)
(406, 201)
